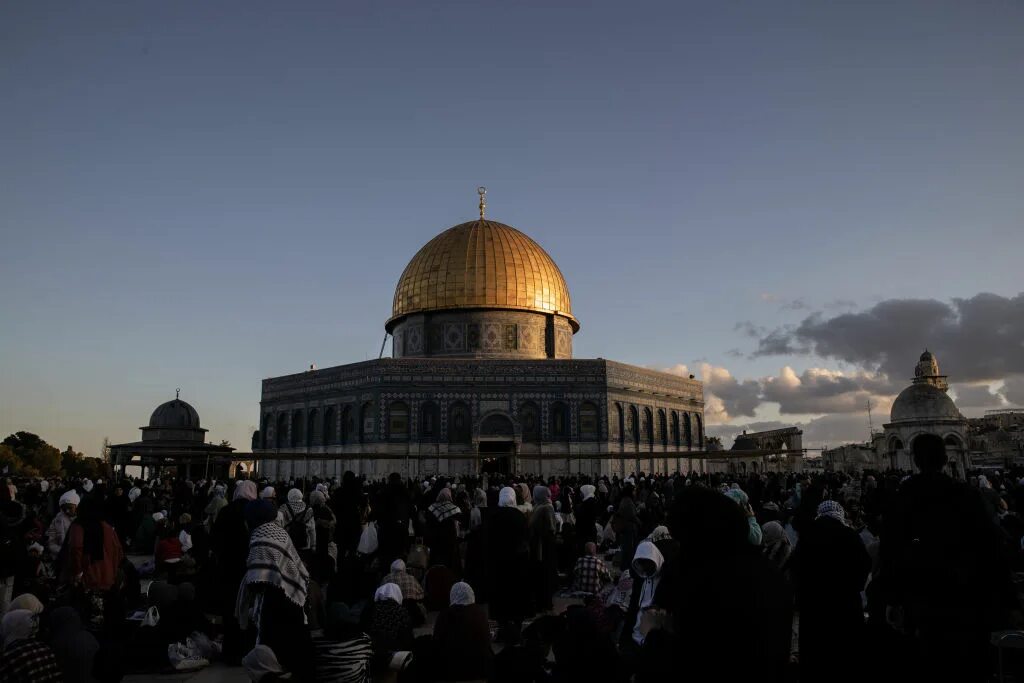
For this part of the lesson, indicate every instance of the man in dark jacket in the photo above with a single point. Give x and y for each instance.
(394, 508)
(944, 577)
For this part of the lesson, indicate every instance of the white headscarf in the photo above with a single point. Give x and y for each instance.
(462, 594)
(507, 497)
(87, 485)
(70, 498)
(294, 496)
(18, 624)
(389, 591)
(26, 601)
(268, 492)
(398, 566)
(587, 491)
(134, 493)
(261, 661)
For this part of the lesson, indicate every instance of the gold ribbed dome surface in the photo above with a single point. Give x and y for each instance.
(482, 264)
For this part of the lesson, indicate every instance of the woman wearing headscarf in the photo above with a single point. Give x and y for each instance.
(776, 545)
(830, 569)
(297, 519)
(325, 521)
(543, 557)
(443, 531)
(273, 592)
(23, 657)
(524, 500)
(218, 501)
(462, 638)
(58, 528)
(508, 553)
(230, 543)
(587, 513)
(74, 647)
(388, 622)
(476, 543)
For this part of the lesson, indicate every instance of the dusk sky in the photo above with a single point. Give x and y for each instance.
(790, 199)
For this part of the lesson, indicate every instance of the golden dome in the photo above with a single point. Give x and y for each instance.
(482, 264)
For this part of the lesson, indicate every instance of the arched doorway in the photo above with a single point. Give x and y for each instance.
(497, 446)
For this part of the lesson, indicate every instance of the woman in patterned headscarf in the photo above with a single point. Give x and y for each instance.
(443, 518)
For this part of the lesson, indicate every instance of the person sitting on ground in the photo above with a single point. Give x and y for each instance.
(388, 623)
(462, 638)
(590, 573)
(25, 658)
(412, 591)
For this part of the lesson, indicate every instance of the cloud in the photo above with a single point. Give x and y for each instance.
(729, 397)
(794, 305)
(819, 390)
(749, 329)
(976, 396)
(1013, 390)
(975, 339)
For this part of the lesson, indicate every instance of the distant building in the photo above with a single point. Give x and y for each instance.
(997, 439)
(853, 457)
(174, 443)
(775, 450)
(925, 408)
(482, 379)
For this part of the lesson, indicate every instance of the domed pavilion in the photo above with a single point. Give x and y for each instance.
(481, 378)
(174, 440)
(924, 407)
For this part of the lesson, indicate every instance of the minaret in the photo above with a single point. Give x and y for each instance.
(927, 372)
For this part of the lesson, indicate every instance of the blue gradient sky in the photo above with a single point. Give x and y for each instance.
(200, 195)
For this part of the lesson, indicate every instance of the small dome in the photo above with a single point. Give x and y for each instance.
(923, 402)
(175, 414)
(927, 356)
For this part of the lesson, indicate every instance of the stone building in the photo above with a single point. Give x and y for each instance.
(774, 450)
(482, 378)
(925, 408)
(174, 443)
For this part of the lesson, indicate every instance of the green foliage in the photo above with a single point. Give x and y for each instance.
(34, 455)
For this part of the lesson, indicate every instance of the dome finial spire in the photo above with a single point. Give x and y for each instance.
(482, 191)
(177, 393)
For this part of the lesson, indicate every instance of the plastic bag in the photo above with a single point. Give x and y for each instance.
(152, 617)
(368, 540)
(186, 656)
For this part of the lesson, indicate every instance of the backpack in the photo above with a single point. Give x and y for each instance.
(296, 528)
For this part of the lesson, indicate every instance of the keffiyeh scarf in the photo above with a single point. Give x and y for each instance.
(273, 560)
(831, 508)
(443, 510)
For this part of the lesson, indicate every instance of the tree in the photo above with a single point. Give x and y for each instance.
(9, 462)
(36, 456)
(78, 465)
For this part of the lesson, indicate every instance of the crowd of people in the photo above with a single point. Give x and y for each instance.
(769, 577)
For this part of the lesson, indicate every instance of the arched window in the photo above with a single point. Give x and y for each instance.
(268, 421)
(311, 430)
(687, 431)
(429, 421)
(330, 426)
(398, 421)
(633, 425)
(620, 424)
(347, 425)
(297, 424)
(589, 422)
(529, 419)
(367, 422)
(662, 428)
(558, 414)
(648, 432)
(675, 429)
(458, 424)
(895, 445)
(281, 433)
(700, 431)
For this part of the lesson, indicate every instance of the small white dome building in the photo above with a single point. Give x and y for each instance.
(925, 408)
